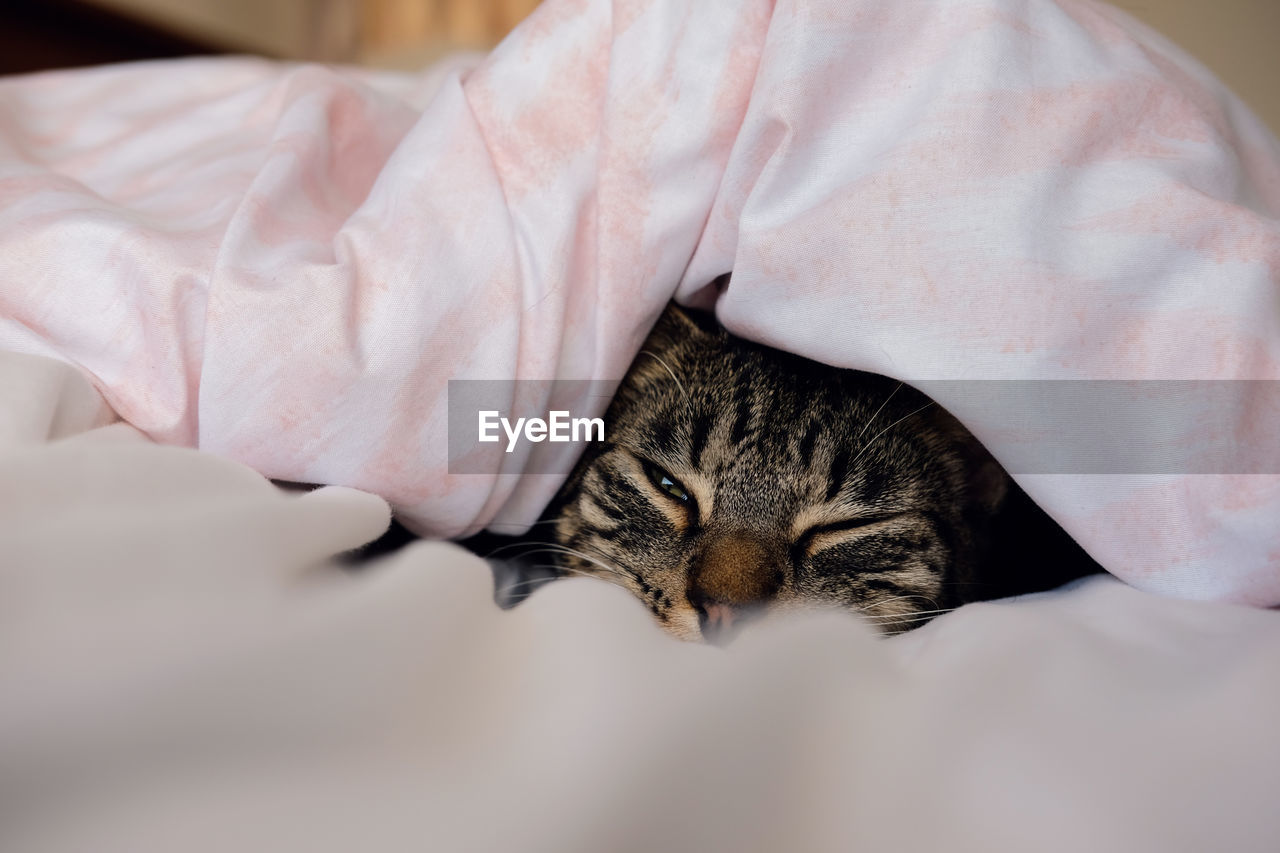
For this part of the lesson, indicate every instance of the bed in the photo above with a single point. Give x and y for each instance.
(187, 667)
(216, 274)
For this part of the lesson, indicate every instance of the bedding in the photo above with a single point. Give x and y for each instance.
(184, 666)
(285, 265)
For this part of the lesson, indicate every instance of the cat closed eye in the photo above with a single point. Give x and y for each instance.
(824, 535)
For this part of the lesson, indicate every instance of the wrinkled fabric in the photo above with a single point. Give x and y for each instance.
(285, 265)
(184, 668)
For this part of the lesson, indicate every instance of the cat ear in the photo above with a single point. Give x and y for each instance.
(680, 323)
(989, 484)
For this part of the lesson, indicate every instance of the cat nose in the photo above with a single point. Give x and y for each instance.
(735, 572)
(736, 569)
(716, 621)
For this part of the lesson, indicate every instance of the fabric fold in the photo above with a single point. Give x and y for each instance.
(287, 264)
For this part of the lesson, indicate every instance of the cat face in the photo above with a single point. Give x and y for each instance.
(738, 479)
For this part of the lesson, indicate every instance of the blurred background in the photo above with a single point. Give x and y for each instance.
(37, 34)
(1236, 38)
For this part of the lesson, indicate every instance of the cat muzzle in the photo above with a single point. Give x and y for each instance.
(717, 622)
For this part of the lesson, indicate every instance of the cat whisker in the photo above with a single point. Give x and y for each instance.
(873, 417)
(530, 524)
(547, 580)
(888, 617)
(908, 625)
(518, 586)
(563, 570)
(523, 542)
(877, 436)
(909, 617)
(687, 400)
(539, 547)
(548, 548)
(879, 602)
(511, 545)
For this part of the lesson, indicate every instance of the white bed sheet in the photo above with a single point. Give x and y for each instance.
(183, 668)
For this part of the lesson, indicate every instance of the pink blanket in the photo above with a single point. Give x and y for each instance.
(286, 264)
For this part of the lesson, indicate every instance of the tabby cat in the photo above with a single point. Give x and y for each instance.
(738, 479)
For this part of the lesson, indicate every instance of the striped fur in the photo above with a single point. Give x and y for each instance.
(788, 483)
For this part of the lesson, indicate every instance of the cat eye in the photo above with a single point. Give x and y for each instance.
(806, 540)
(666, 483)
